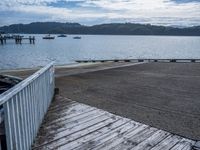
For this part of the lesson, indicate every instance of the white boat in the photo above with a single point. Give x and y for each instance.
(48, 37)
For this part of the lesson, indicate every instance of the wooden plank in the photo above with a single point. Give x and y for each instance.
(79, 132)
(107, 141)
(167, 143)
(125, 142)
(196, 145)
(58, 137)
(99, 141)
(87, 131)
(184, 144)
(61, 126)
(76, 119)
(54, 118)
(153, 140)
(47, 133)
(89, 140)
(73, 107)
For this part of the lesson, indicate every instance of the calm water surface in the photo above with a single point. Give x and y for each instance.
(67, 50)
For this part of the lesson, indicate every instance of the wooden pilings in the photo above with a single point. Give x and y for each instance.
(2, 40)
(32, 40)
(18, 39)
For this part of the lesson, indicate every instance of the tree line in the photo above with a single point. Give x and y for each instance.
(103, 29)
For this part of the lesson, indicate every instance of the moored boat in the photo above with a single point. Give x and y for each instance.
(48, 37)
(62, 35)
(77, 37)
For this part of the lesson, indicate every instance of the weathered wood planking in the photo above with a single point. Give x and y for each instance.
(71, 125)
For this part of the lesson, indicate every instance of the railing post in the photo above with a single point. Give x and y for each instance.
(8, 130)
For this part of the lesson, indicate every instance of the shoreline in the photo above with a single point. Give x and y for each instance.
(109, 34)
(82, 63)
(56, 67)
(71, 69)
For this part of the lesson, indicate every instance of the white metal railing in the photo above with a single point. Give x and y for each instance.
(24, 108)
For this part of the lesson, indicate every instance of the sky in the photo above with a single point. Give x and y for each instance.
(90, 12)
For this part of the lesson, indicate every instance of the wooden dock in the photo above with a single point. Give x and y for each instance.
(18, 39)
(72, 125)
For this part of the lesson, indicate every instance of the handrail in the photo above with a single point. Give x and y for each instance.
(9, 93)
(24, 107)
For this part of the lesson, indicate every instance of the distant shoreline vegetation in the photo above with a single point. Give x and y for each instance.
(102, 29)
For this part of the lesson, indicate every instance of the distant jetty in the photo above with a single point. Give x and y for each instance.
(17, 38)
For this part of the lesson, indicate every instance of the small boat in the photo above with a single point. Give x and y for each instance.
(48, 37)
(62, 35)
(77, 37)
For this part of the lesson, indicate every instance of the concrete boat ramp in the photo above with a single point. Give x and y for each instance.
(70, 125)
(161, 101)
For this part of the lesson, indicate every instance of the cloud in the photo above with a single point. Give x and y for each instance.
(162, 12)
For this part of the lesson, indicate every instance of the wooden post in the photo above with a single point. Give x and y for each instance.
(1, 40)
(33, 39)
(20, 39)
(30, 40)
(4, 38)
(16, 40)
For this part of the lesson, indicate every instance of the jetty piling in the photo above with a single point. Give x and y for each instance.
(1, 40)
(32, 40)
(18, 39)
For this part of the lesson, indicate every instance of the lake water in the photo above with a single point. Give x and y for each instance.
(67, 50)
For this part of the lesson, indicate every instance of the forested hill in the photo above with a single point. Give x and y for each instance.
(110, 29)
